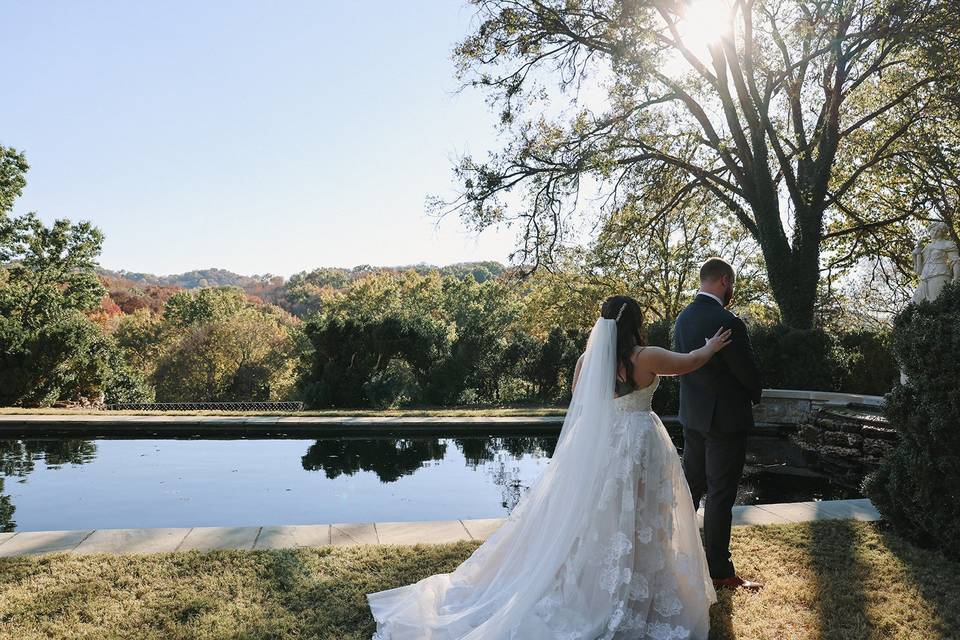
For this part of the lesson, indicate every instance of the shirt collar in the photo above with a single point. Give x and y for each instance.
(710, 295)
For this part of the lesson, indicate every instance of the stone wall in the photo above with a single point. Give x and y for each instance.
(840, 436)
(848, 441)
(780, 407)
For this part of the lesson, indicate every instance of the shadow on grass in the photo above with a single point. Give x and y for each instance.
(721, 617)
(840, 576)
(933, 575)
(324, 591)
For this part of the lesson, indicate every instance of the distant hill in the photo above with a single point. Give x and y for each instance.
(222, 278)
(194, 279)
(131, 290)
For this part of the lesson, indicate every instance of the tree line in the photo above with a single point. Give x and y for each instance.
(366, 337)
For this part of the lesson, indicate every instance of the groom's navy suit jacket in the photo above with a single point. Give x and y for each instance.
(719, 396)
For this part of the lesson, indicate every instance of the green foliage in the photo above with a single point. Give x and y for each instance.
(391, 339)
(218, 347)
(350, 354)
(479, 315)
(125, 382)
(13, 171)
(918, 487)
(52, 269)
(50, 349)
(794, 358)
(866, 362)
(67, 358)
(667, 399)
(395, 385)
(187, 308)
(857, 361)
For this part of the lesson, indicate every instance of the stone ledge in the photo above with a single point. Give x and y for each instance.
(824, 397)
(137, 541)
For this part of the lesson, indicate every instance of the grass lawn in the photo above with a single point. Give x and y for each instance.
(832, 580)
(452, 412)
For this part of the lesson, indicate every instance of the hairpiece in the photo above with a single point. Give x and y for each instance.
(622, 307)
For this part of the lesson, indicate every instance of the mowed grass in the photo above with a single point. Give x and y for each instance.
(831, 580)
(448, 412)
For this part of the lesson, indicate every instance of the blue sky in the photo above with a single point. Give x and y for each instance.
(253, 136)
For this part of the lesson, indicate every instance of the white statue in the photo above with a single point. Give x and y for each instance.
(937, 262)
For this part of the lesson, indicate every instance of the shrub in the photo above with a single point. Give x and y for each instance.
(917, 487)
(666, 401)
(866, 363)
(125, 383)
(65, 359)
(793, 358)
(348, 354)
(395, 386)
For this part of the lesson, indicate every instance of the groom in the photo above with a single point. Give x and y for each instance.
(716, 413)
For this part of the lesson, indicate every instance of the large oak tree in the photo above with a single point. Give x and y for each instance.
(757, 115)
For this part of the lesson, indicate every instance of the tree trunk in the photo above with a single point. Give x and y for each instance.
(794, 284)
(794, 271)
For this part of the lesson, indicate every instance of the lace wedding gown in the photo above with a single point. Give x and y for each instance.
(605, 544)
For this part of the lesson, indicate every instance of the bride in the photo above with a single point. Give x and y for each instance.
(605, 544)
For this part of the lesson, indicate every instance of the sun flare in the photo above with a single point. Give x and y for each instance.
(703, 23)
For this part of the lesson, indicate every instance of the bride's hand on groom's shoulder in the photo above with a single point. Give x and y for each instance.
(719, 340)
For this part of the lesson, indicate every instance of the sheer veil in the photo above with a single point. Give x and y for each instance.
(496, 592)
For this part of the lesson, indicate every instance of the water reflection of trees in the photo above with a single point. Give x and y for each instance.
(478, 451)
(18, 458)
(389, 458)
(393, 458)
(499, 455)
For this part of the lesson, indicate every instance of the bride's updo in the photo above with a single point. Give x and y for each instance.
(630, 332)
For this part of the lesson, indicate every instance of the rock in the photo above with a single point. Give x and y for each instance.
(808, 434)
(851, 440)
(877, 448)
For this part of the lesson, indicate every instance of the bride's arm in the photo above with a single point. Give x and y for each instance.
(670, 363)
(576, 373)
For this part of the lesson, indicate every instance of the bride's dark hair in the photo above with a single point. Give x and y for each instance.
(630, 331)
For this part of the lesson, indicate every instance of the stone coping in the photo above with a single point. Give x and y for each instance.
(137, 541)
(108, 424)
(106, 418)
(65, 425)
(825, 397)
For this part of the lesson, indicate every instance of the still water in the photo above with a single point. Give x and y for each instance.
(117, 483)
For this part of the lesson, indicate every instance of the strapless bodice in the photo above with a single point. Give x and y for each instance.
(639, 399)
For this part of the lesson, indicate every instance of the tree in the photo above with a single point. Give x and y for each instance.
(186, 308)
(218, 347)
(481, 315)
(348, 353)
(757, 117)
(13, 171)
(51, 269)
(655, 243)
(50, 349)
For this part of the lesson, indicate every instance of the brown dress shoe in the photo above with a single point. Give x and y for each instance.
(736, 582)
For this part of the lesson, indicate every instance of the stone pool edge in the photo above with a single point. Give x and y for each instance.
(138, 541)
(79, 426)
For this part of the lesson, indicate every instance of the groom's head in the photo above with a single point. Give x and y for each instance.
(717, 277)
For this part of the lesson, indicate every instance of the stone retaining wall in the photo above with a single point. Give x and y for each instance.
(848, 441)
(792, 407)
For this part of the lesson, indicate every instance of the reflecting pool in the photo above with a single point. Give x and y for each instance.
(131, 483)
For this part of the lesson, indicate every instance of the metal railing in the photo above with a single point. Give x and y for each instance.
(205, 406)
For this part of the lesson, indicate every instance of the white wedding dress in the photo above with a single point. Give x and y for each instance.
(605, 544)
